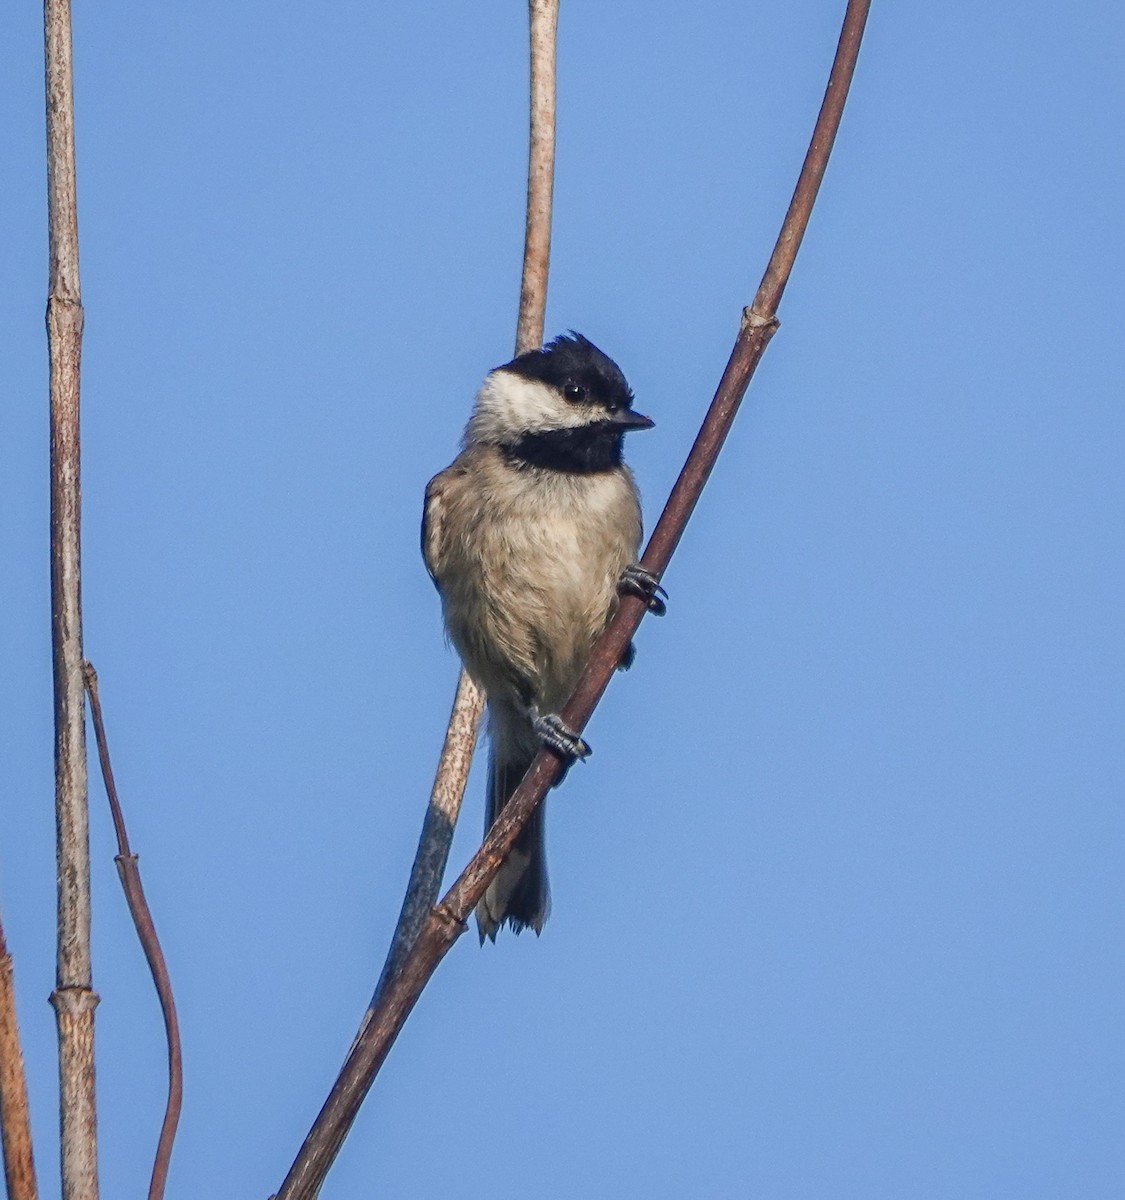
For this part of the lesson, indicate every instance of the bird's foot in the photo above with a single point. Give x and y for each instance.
(559, 737)
(638, 582)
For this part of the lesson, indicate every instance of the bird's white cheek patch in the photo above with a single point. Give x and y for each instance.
(509, 406)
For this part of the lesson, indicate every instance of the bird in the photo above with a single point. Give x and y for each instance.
(530, 535)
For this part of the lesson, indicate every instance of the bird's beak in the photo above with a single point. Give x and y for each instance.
(626, 420)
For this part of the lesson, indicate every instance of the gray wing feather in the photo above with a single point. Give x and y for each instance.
(432, 531)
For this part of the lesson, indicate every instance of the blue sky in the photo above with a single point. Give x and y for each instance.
(838, 901)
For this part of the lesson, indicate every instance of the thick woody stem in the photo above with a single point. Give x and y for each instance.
(446, 922)
(15, 1120)
(74, 999)
(74, 1015)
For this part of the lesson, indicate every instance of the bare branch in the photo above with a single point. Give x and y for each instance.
(437, 829)
(543, 22)
(130, 876)
(73, 998)
(15, 1120)
(446, 922)
(461, 735)
(796, 220)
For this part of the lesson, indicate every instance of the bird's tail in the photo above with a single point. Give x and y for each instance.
(519, 894)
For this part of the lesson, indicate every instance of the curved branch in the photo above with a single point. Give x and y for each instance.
(446, 922)
(130, 876)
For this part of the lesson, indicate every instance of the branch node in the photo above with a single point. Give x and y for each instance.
(756, 320)
(73, 1001)
(448, 919)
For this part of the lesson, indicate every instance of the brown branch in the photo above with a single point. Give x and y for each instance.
(15, 1120)
(446, 922)
(73, 998)
(130, 876)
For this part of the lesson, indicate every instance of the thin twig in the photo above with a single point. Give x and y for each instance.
(438, 826)
(446, 922)
(456, 758)
(73, 998)
(543, 21)
(130, 876)
(15, 1119)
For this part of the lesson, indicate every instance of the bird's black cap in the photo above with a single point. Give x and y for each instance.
(582, 372)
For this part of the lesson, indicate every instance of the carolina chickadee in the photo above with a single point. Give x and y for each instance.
(529, 535)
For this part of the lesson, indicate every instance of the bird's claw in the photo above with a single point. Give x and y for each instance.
(638, 582)
(559, 737)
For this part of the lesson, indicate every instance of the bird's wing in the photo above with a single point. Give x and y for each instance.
(433, 526)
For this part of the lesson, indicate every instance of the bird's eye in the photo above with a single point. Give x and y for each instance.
(574, 392)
